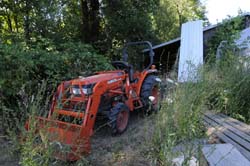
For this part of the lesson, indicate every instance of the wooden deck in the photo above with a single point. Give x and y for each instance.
(224, 155)
(230, 131)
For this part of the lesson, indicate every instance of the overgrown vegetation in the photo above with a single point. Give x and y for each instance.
(32, 147)
(229, 72)
(23, 68)
(170, 14)
(55, 41)
(104, 24)
(44, 41)
(29, 75)
(58, 40)
(223, 87)
(226, 31)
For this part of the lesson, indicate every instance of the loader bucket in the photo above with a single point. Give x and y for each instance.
(68, 141)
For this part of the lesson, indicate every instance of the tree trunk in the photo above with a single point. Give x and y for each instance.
(178, 10)
(94, 20)
(16, 23)
(90, 29)
(9, 23)
(85, 32)
(26, 28)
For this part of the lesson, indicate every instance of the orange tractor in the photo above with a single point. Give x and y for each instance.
(76, 103)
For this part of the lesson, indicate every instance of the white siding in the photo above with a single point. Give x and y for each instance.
(191, 51)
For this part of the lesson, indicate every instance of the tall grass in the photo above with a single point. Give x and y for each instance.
(34, 151)
(33, 147)
(224, 87)
(179, 122)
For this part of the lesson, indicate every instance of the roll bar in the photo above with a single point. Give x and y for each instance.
(151, 52)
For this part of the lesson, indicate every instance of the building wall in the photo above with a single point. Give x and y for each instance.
(247, 21)
(166, 55)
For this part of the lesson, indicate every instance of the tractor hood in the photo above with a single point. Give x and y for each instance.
(99, 77)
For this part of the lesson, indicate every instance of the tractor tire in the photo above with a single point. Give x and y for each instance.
(119, 118)
(151, 87)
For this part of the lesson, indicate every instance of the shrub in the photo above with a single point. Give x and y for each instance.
(229, 87)
(23, 67)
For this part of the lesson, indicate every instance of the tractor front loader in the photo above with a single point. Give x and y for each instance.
(115, 94)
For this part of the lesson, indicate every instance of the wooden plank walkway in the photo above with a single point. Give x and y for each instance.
(224, 155)
(230, 131)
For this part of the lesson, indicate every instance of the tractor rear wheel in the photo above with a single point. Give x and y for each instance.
(119, 118)
(150, 94)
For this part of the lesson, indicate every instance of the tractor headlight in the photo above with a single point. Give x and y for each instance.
(76, 90)
(88, 89)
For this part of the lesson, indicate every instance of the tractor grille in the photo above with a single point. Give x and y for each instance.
(75, 106)
(70, 119)
(71, 101)
(72, 106)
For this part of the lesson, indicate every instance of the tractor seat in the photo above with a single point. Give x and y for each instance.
(121, 65)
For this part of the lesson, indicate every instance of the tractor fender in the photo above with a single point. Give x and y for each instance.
(145, 74)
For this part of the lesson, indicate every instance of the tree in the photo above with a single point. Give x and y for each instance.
(30, 18)
(10, 16)
(90, 20)
(171, 14)
(105, 24)
(129, 20)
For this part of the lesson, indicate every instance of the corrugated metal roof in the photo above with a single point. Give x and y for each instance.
(178, 39)
(166, 43)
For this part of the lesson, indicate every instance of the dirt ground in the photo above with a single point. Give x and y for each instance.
(130, 148)
(7, 158)
(127, 149)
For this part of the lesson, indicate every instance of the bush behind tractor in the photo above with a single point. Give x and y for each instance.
(76, 103)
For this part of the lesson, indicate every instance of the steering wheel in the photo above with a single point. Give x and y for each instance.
(120, 65)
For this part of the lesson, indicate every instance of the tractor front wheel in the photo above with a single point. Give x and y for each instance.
(119, 117)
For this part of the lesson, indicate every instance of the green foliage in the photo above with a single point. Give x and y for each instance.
(229, 92)
(22, 68)
(40, 41)
(130, 20)
(224, 87)
(34, 146)
(227, 31)
(229, 76)
(170, 15)
(105, 24)
(34, 150)
(179, 122)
